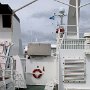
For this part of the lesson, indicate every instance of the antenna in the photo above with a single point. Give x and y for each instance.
(76, 7)
(61, 15)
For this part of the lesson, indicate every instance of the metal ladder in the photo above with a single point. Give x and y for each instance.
(59, 70)
(5, 74)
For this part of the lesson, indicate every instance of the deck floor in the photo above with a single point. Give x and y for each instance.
(34, 87)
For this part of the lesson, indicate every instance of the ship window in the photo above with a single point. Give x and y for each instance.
(14, 64)
(6, 21)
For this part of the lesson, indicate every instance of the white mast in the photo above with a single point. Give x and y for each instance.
(77, 17)
(60, 76)
(73, 18)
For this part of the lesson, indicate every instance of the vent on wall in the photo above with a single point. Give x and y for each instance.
(74, 71)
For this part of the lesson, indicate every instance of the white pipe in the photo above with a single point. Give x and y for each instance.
(84, 5)
(66, 4)
(24, 6)
(68, 25)
(77, 18)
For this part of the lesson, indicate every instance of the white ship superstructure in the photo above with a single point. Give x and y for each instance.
(73, 53)
(65, 66)
(40, 64)
(11, 70)
(71, 63)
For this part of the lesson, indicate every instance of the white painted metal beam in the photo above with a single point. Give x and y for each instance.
(65, 3)
(25, 6)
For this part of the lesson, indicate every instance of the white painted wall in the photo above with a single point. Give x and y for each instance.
(5, 33)
(12, 34)
(16, 36)
(49, 74)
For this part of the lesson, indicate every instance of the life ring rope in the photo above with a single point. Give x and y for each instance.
(34, 73)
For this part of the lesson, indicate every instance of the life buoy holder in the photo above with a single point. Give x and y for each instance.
(37, 71)
(60, 30)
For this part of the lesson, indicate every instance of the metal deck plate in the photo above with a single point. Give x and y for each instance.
(35, 87)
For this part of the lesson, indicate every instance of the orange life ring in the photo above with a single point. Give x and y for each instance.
(35, 71)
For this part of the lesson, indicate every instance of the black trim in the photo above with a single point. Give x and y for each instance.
(20, 89)
(5, 9)
(17, 18)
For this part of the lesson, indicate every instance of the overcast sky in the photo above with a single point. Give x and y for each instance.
(35, 17)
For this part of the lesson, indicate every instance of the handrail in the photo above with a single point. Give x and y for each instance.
(60, 77)
(4, 71)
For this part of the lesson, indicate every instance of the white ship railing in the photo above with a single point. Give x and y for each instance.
(73, 44)
(59, 79)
